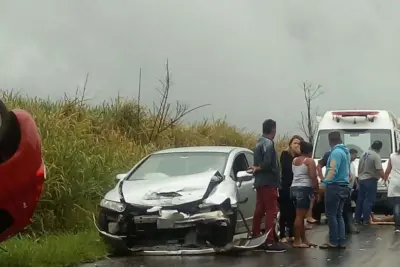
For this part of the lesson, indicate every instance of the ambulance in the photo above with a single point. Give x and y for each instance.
(359, 129)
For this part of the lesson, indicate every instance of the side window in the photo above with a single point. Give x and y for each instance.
(396, 139)
(239, 164)
(249, 158)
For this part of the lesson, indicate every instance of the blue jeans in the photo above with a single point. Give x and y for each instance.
(335, 197)
(365, 200)
(396, 211)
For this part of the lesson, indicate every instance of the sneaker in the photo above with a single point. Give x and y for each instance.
(397, 231)
(275, 247)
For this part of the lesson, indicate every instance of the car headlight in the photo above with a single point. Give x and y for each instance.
(112, 205)
(206, 207)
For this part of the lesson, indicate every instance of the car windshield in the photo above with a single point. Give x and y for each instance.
(177, 164)
(359, 139)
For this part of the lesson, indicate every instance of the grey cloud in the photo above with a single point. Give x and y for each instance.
(246, 58)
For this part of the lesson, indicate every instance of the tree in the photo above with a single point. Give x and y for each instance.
(308, 124)
(164, 117)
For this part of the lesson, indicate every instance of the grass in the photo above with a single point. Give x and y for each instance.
(84, 148)
(53, 250)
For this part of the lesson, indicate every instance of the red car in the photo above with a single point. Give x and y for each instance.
(22, 171)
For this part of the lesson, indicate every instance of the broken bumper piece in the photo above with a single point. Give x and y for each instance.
(119, 242)
(174, 219)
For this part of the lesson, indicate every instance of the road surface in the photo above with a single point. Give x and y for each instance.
(375, 246)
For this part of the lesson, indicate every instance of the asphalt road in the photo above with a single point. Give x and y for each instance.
(375, 246)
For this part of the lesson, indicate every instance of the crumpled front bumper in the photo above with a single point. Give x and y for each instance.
(119, 242)
(238, 244)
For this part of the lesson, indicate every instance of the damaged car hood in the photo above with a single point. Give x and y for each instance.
(167, 191)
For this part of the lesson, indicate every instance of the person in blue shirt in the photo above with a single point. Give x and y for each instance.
(336, 185)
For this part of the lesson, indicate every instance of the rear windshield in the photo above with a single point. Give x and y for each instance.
(359, 139)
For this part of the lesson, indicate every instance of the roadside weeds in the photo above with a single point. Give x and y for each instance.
(53, 250)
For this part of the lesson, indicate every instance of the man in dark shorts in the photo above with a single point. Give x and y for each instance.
(267, 182)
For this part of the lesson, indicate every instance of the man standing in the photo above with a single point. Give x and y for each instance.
(336, 185)
(347, 210)
(319, 206)
(369, 171)
(267, 181)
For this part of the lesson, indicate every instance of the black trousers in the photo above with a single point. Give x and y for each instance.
(288, 213)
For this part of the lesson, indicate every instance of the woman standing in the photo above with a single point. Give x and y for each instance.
(302, 191)
(286, 207)
(392, 174)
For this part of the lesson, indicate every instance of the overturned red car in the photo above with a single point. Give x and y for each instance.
(22, 170)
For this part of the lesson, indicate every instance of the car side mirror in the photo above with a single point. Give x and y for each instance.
(120, 176)
(243, 176)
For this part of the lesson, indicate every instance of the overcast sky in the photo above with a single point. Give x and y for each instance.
(245, 58)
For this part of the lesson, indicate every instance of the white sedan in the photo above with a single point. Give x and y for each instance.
(191, 200)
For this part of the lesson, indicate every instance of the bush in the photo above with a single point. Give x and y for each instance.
(86, 146)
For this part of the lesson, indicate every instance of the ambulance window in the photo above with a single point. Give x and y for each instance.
(359, 139)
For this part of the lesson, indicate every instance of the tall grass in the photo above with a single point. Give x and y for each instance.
(86, 146)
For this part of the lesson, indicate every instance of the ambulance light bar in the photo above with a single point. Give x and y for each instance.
(369, 115)
(355, 113)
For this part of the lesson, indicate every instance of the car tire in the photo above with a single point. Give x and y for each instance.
(4, 120)
(115, 251)
(224, 235)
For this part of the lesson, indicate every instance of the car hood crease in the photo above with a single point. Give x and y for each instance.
(167, 191)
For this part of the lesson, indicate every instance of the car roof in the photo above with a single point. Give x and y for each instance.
(194, 149)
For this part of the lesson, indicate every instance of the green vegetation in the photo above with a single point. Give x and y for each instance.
(52, 250)
(84, 148)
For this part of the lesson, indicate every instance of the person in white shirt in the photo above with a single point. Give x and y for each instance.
(392, 176)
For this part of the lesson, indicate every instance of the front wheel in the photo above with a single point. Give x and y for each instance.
(220, 236)
(115, 249)
(117, 252)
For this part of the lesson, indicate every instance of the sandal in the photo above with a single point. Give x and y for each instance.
(312, 221)
(284, 240)
(300, 246)
(312, 245)
(327, 246)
